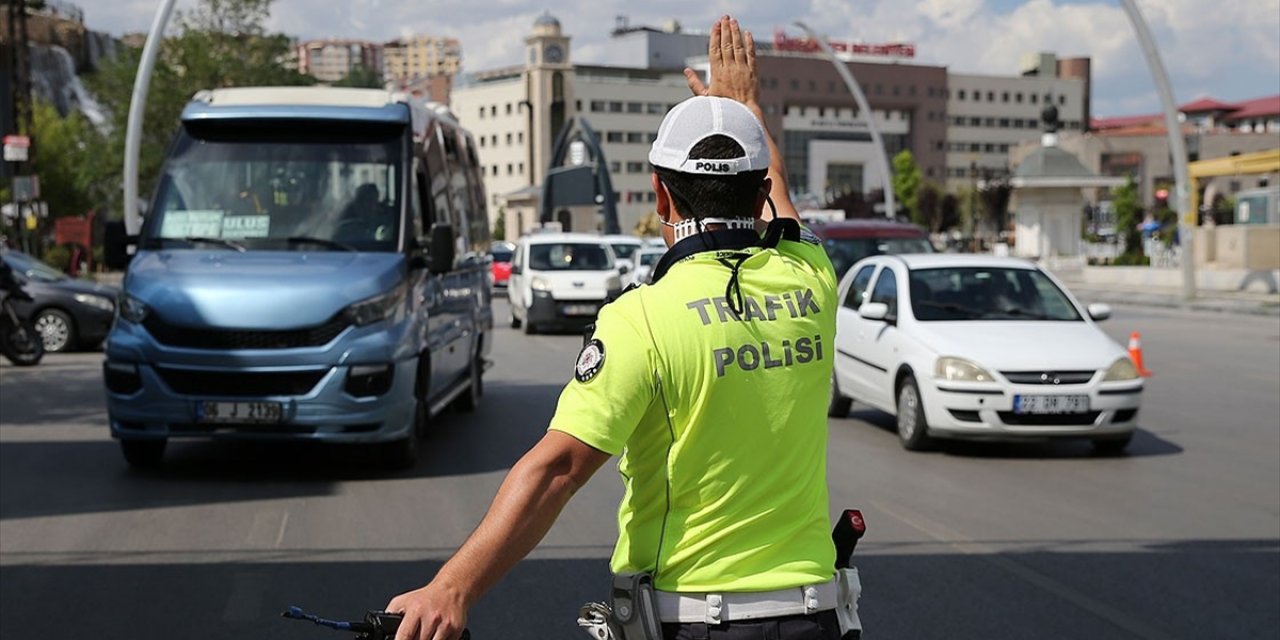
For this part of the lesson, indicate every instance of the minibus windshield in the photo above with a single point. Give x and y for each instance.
(286, 190)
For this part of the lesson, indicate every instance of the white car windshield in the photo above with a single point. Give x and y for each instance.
(987, 293)
(569, 256)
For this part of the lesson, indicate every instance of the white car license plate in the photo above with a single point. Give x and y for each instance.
(1050, 404)
(580, 309)
(239, 412)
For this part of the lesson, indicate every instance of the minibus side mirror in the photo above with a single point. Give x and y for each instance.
(442, 252)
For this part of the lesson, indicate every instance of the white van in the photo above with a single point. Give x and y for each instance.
(561, 280)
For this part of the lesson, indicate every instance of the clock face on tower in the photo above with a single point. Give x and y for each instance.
(553, 53)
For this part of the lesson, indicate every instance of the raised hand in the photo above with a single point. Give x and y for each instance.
(732, 54)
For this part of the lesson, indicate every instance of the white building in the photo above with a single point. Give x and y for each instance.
(333, 60)
(517, 113)
(987, 116)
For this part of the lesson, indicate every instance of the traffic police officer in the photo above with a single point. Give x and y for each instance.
(711, 384)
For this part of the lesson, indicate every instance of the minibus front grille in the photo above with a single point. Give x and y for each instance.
(225, 340)
(253, 384)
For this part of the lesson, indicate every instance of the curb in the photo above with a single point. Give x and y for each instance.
(1219, 305)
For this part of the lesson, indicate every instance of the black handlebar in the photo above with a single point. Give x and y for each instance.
(377, 625)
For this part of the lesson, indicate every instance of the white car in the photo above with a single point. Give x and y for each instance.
(625, 248)
(967, 346)
(645, 260)
(561, 280)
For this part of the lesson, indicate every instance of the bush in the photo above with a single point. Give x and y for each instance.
(58, 257)
(1131, 260)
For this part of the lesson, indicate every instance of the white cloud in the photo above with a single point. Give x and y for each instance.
(1226, 48)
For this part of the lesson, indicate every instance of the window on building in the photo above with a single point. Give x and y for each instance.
(651, 197)
(597, 106)
(1004, 123)
(1017, 97)
(1035, 98)
(508, 108)
(1048, 98)
(493, 110)
(1062, 100)
(615, 167)
(879, 89)
(975, 147)
(1004, 97)
(813, 86)
(822, 112)
(510, 139)
(938, 144)
(493, 140)
(991, 96)
(520, 168)
(615, 107)
(795, 84)
(520, 137)
(654, 108)
(651, 136)
(635, 107)
(613, 136)
(510, 168)
(989, 147)
(481, 142)
(989, 122)
(928, 172)
(494, 170)
(481, 112)
(975, 121)
(911, 90)
(960, 95)
(897, 90)
(635, 167)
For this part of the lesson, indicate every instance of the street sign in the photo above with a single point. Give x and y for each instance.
(26, 188)
(16, 148)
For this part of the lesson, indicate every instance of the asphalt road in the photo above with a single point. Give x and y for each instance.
(1179, 539)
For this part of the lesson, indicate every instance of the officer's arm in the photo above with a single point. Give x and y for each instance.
(528, 503)
(732, 57)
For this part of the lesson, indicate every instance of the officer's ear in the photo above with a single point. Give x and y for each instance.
(664, 197)
(762, 196)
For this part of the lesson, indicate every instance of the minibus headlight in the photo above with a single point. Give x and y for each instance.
(376, 308)
(132, 309)
(538, 283)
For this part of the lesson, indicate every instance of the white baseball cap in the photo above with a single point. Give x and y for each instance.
(700, 117)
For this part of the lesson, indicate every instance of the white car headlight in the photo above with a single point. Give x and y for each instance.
(97, 302)
(1123, 369)
(538, 283)
(132, 309)
(960, 370)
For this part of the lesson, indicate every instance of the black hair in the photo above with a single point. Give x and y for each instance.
(710, 196)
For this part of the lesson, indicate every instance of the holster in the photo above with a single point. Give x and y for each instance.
(635, 607)
(850, 589)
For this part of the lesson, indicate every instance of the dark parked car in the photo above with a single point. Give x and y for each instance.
(69, 313)
(849, 241)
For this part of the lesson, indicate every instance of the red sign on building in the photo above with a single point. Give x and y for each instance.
(807, 45)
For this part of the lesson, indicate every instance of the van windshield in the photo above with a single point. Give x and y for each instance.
(576, 256)
(287, 190)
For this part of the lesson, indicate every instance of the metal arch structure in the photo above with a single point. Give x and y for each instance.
(882, 158)
(580, 129)
(1177, 147)
(137, 107)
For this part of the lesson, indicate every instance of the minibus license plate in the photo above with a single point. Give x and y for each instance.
(1051, 404)
(242, 412)
(580, 309)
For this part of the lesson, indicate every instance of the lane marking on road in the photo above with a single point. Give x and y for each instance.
(968, 546)
(284, 522)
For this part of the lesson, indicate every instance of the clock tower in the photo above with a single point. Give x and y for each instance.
(550, 89)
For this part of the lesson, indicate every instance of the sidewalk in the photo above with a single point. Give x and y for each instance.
(1248, 302)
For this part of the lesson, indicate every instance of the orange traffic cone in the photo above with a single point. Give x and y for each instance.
(1135, 354)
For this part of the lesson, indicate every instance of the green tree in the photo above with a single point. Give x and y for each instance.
(928, 212)
(1128, 216)
(361, 77)
(219, 43)
(71, 180)
(906, 182)
(500, 225)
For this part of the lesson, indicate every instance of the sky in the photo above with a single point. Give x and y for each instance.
(1227, 49)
